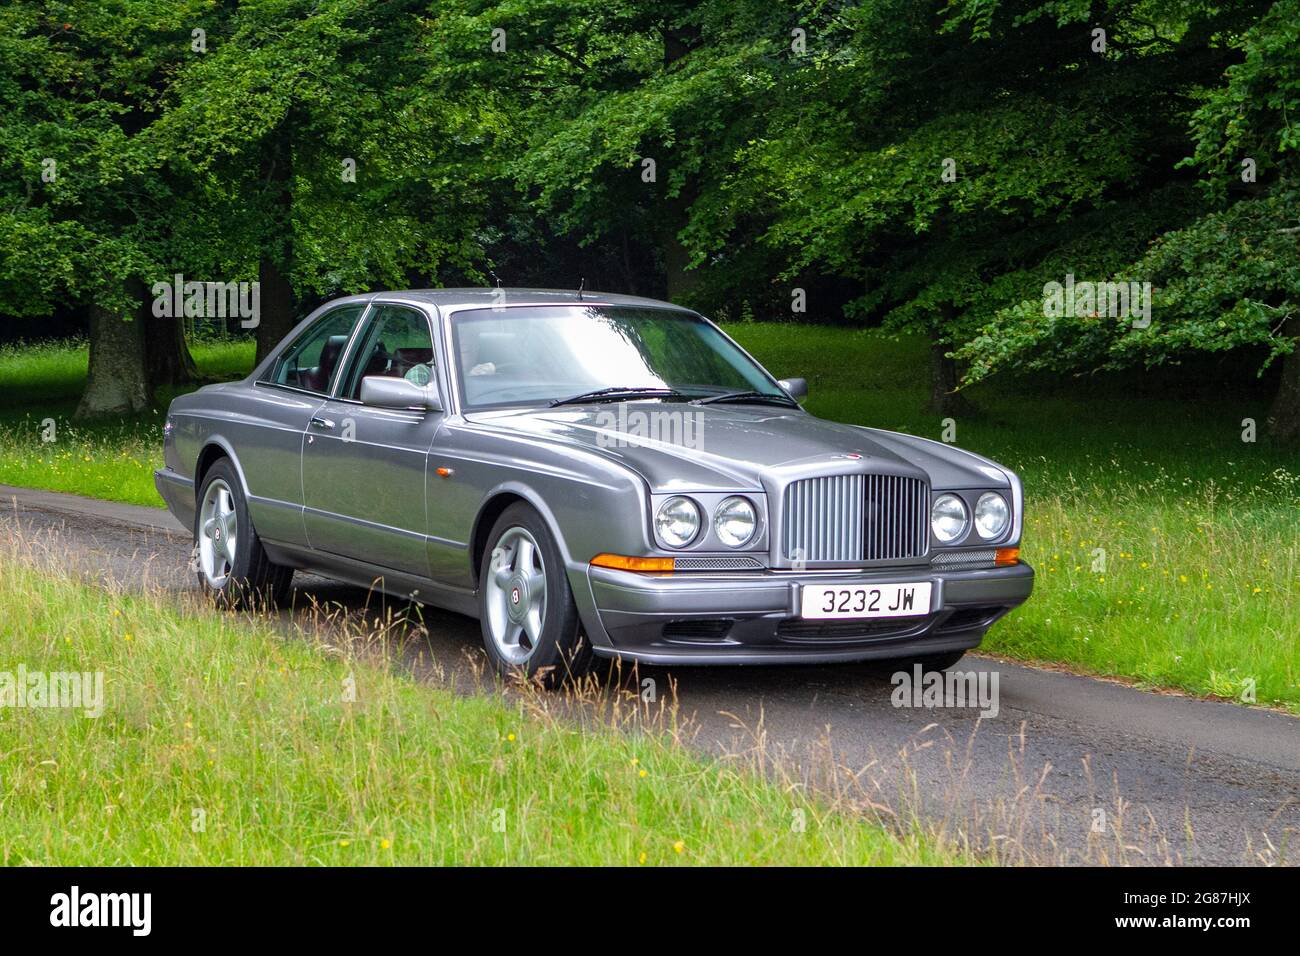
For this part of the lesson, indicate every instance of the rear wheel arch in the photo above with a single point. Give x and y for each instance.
(230, 561)
(213, 452)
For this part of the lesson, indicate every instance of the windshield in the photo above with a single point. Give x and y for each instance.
(536, 356)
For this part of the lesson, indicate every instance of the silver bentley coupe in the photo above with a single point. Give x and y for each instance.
(588, 475)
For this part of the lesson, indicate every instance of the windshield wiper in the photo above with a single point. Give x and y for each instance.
(748, 396)
(617, 393)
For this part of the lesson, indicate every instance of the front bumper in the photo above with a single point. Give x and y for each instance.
(753, 618)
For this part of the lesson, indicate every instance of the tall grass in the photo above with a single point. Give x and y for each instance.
(221, 743)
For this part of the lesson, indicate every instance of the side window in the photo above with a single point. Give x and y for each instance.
(396, 343)
(312, 361)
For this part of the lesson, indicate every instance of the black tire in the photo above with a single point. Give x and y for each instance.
(938, 662)
(253, 580)
(561, 652)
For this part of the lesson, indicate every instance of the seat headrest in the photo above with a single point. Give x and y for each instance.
(329, 354)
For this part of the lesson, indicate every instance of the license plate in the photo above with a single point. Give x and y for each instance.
(865, 600)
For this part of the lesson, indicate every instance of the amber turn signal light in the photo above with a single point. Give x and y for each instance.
(1007, 556)
(624, 563)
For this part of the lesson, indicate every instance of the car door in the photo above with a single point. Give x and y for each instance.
(269, 437)
(363, 468)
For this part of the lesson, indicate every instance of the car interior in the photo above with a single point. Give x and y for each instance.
(411, 355)
(318, 379)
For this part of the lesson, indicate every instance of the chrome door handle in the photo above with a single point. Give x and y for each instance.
(322, 423)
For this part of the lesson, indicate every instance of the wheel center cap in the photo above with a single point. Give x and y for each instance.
(518, 606)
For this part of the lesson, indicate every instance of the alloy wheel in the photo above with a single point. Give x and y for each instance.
(516, 595)
(218, 534)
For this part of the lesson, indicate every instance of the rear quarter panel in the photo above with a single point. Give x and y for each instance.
(261, 430)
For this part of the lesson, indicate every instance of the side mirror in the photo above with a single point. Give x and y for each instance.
(796, 387)
(385, 392)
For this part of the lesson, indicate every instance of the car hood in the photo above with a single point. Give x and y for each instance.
(733, 447)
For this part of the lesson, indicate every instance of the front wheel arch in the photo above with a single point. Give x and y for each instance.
(493, 507)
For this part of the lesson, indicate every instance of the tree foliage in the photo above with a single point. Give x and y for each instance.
(929, 166)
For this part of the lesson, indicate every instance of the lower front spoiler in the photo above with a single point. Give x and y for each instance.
(746, 618)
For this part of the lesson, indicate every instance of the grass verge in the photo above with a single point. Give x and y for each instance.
(221, 743)
(41, 446)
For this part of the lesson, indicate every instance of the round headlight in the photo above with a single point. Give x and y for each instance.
(735, 521)
(991, 514)
(677, 522)
(948, 518)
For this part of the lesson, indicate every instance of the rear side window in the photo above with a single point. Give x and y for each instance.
(312, 362)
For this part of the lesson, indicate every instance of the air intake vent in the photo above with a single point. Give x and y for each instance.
(962, 559)
(846, 631)
(700, 629)
(719, 563)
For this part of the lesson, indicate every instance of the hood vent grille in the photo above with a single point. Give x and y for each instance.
(847, 518)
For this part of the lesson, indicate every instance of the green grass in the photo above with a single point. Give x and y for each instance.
(220, 743)
(40, 386)
(1199, 528)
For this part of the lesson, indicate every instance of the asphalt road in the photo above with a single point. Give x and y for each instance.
(1071, 769)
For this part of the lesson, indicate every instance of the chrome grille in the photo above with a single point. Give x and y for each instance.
(855, 518)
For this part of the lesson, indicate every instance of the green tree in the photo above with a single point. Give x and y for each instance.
(324, 160)
(614, 122)
(79, 205)
(942, 158)
(1229, 278)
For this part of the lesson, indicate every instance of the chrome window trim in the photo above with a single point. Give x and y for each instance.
(259, 383)
(348, 349)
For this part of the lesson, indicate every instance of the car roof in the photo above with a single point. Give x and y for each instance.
(451, 300)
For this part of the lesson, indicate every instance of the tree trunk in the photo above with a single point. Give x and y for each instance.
(116, 383)
(167, 357)
(680, 282)
(1284, 416)
(276, 316)
(944, 399)
(276, 304)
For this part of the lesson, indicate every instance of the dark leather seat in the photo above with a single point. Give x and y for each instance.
(318, 378)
